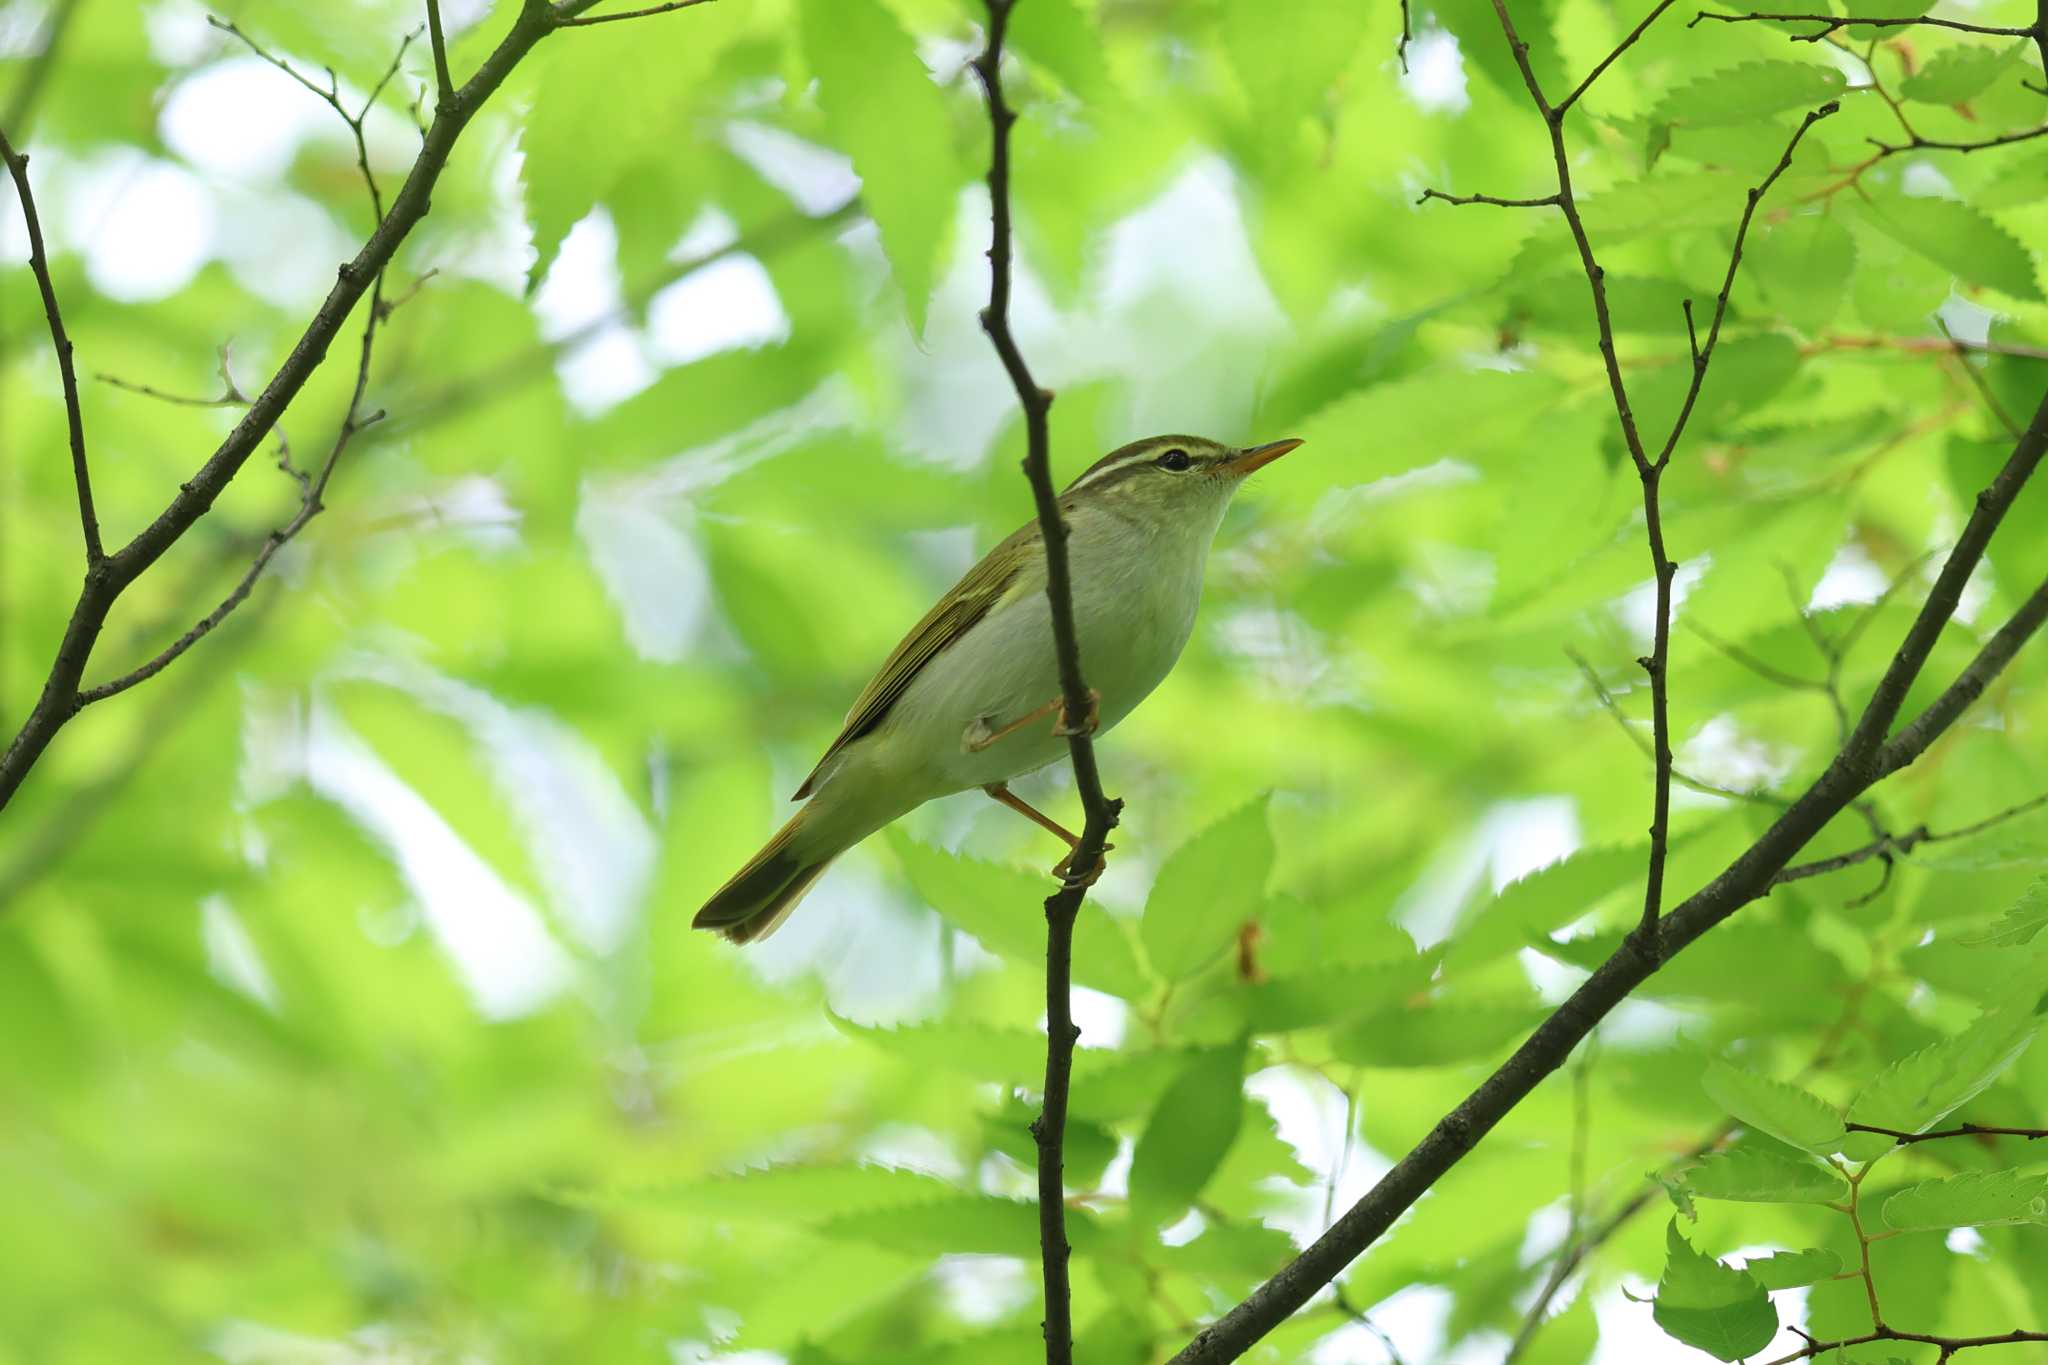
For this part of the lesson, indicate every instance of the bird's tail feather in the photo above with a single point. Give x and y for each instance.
(753, 904)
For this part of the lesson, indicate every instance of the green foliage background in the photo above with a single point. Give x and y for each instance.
(345, 975)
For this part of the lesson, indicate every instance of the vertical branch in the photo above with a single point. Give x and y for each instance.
(444, 88)
(60, 342)
(1049, 1129)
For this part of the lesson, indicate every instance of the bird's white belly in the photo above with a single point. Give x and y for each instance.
(1130, 636)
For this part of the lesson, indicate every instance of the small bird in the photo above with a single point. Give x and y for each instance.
(958, 703)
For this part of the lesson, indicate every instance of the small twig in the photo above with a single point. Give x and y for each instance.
(1624, 45)
(1831, 22)
(330, 94)
(1612, 706)
(60, 342)
(230, 396)
(1767, 672)
(564, 21)
(444, 88)
(1885, 845)
(1977, 380)
(311, 490)
(1948, 1345)
(1547, 201)
(1364, 1320)
(1407, 33)
(1904, 1138)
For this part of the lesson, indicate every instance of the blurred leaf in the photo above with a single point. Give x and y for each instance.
(1547, 899)
(883, 111)
(1187, 1135)
(1005, 909)
(1960, 239)
(2022, 920)
(1739, 93)
(1803, 266)
(1955, 74)
(1791, 1269)
(1206, 891)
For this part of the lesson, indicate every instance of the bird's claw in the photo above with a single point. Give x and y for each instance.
(1063, 869)
(1062, 727)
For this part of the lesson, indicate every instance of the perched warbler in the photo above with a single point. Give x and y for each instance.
(956, 704)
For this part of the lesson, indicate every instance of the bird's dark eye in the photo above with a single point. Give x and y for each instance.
(1176, 460)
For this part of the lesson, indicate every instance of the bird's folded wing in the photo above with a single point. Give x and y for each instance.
(972, 598)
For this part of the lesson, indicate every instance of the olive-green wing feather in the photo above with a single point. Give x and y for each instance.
(972, 598)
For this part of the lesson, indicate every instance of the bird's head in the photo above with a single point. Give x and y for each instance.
(1161, 474)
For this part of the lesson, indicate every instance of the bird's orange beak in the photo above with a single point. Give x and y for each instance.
(1258, 457)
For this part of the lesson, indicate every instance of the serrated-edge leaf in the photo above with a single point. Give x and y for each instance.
(1919, 1090)
(1190, 1131)
(1759, 1175)
(1961, 239)
(1974, 1199)
(1206, 890)
(1788, 1113)
(1750, 90)
(1791, 1269)
(2022, 920)
(1714, 1307)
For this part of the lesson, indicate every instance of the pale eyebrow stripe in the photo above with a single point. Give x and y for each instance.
(1098, 475)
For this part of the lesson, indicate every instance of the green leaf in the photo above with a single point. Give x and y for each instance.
(1753, 90)
(883, 110)
(1063, 39)
(1004, 1056)
(801, 1194)
(2023, 919)
(1434, 1033)
(1287, 52)
(1971, 1200)
(1547, 899)
(1803, 266)
(1957, 73)
(1792, 1115)
(1791, 1269)
(1004, 908)
(1960, 239)
(1188, 1134)
(604, 115)
(1917, 1091)
(983, 1224)
(1711, 1306)
(1754, 1173)
(1311, 999)
(1206, 891)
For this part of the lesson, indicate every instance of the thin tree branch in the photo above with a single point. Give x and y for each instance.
(1962, 1130)
(444, 88)
(1049, 1129)
(312, 488)
(59, 700)
(1750, 876)
(1624, 45)
(1813, 1349)
(60, 342)
(1886, 844)
(1831, 22)
(628, 14)
(1546, 201)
